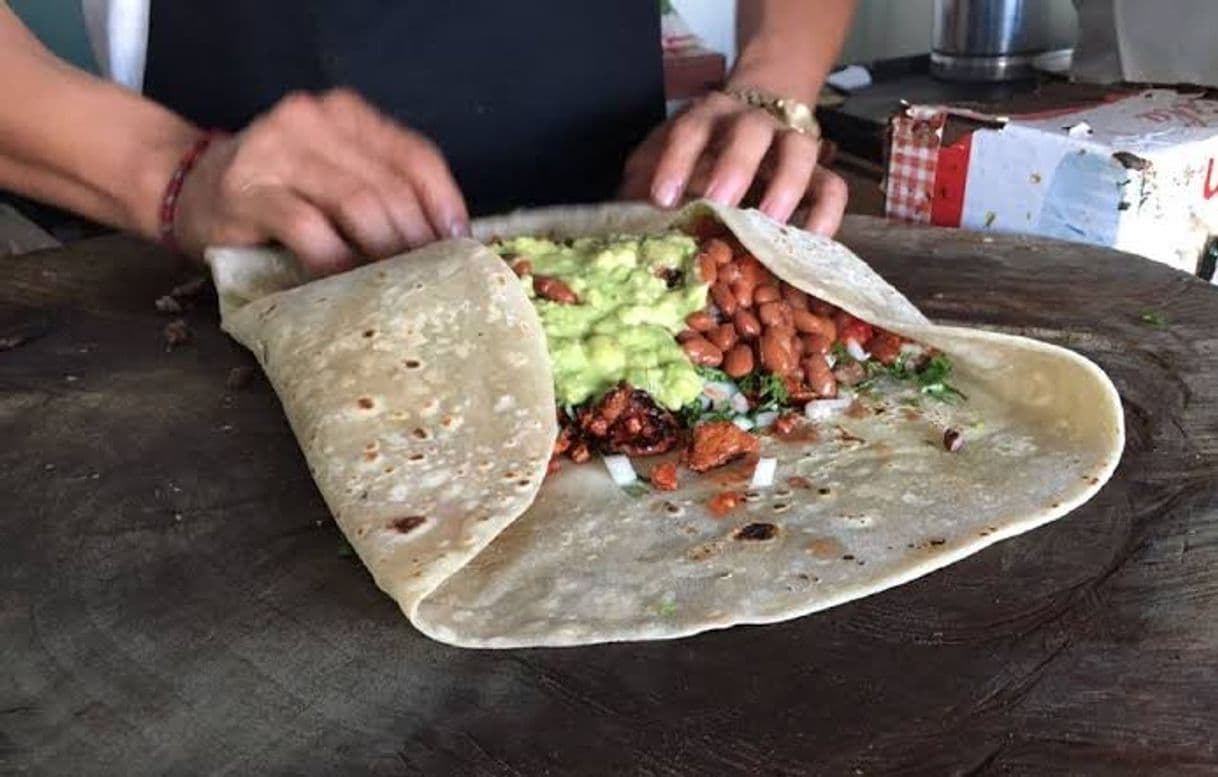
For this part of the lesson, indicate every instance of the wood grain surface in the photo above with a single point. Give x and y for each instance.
(174, 599)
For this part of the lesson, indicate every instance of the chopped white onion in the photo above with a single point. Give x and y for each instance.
(744, 422)
(821, 409)
(763, 474)
(856, 351)
(831, 360)
(704, 401)
(719, 392)
(740, 403)
(620, 469)
(766, 419)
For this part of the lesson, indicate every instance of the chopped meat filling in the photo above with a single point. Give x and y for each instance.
(718, 442)
(626, 421)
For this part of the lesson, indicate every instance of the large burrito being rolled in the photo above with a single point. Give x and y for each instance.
(423, 396)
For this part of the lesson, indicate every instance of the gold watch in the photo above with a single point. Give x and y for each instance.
(792, 113)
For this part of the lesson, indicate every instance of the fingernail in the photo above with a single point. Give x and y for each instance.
(666, 193)
(458, 228)
(715, 193)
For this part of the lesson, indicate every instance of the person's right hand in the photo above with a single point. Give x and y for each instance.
(327, 176)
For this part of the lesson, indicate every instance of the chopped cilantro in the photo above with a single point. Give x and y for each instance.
(636, 490)
(768, 391)
(931, 378)
(712, 375)
(841, 354)
(666, 608)
(1153, 318)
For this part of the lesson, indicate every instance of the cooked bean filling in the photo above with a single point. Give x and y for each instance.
(654, 337)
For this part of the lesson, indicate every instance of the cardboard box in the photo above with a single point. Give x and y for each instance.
(1136, 173)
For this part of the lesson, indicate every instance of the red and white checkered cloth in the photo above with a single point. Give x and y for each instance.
(914, 140)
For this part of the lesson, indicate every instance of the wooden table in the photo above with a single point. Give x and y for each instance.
(174, 599)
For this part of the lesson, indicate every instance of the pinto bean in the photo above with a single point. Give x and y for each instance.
(775, 314)
(776, 351)
(718, 250)
(686, 334)
(810, 324)
(708, 271)
(723, 337)
(522, 267)
(797, 346)
(700, 321)
(724, 299)
(739, 361)
(746, 323)
(729, 273)
(820, 377)
(817, 344)
(754, 270)
(742, 287)
(554, 289)
(766, 293)
(701, 352)
(820, 307)
(794, 297)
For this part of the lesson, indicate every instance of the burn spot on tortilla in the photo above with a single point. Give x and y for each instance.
(673, 508)
(781, 507)
(937, 542)
(412, 364)
(369, 333)
(523, 482)
(420, 433)
(371, 455)
(845, 436)
(701, 552)
(408, 524)
(757, 532)
(389, 469)
(823, 491)
(1055, 505)
(416, 457)
(782, 493)
(752, 496)
(824, 547)
(365, 403)
(446, 421)
(848, 557)
(798, 481)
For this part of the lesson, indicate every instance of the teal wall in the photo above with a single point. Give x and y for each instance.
(60, 26)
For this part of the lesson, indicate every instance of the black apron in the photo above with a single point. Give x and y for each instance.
(532, 102)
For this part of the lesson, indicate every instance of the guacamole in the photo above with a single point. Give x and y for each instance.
(624, 324)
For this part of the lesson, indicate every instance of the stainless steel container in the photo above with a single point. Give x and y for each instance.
(988, 40)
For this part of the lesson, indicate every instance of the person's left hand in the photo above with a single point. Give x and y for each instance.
(722, 149)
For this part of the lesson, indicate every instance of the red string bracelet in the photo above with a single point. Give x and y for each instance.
(169, 203)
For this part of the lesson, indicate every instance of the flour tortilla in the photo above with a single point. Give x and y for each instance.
(479, 553)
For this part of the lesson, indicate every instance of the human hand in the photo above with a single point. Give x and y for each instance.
(725, 150)
(327, 176)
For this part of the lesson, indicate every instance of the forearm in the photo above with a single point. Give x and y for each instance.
(788, 47)
(75, 141)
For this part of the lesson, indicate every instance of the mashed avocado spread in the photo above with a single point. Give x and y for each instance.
(624, 323)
